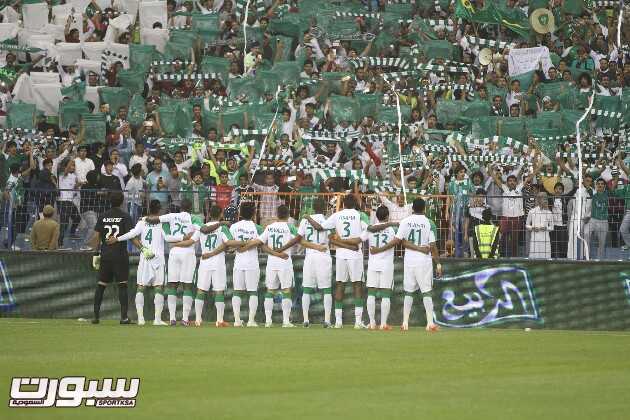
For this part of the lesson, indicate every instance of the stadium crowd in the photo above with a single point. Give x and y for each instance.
(472, 103)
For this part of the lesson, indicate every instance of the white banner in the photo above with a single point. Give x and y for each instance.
(522, 60)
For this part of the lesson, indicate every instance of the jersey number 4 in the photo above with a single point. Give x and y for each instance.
(115, 229)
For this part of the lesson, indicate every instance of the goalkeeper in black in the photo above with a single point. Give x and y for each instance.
(113, 262)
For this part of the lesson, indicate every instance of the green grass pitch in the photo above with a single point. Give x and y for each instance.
(194, 373)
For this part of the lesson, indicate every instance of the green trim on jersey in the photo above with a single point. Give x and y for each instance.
(166, 228)
(197, 219)
(433, 228)
(364, 217)
(259, 229)
(226, 232)
(292, 229)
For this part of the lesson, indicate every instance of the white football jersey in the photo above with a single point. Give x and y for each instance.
(151, 236)
(210, 242)
(277, 235)
(179, 224)
(310, 234)
(419, 230)
(382, 260)
(246, 230)
(349, 224)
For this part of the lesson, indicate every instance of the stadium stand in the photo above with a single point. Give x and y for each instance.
(519, 107)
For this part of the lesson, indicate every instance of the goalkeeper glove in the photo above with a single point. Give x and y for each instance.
(96, 262)
(148, 253)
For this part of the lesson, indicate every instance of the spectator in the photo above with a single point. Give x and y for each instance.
(45, 231)
(540, 222)
(68, 195)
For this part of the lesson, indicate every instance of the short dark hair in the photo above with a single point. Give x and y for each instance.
(215, 212)
(247, 211)
(116, 198)
(319, 205)
(349, 202)
(512, 177)
(154, 206)
(486, 215)
(185, 205)
(136, 169)
(283, 212)
(15, 168)
(382, 213)
(418, 205)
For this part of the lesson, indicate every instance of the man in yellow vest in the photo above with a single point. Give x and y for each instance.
(486, 237)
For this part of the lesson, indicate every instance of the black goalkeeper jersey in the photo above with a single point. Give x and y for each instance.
(113, 222)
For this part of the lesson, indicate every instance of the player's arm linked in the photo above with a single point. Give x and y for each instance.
(296, 240)
(313, 245)
(389, 245)
(268, 250)
(221, 248)
(339, 243)
(381, 226)
(410, 245)
(206, 229)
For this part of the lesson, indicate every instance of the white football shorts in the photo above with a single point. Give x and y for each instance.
(317, 271)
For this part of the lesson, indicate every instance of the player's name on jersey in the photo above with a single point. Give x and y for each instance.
(112, 219)
(342, 217)
(276, 230)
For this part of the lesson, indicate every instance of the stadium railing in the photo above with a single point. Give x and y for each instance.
(76, 212)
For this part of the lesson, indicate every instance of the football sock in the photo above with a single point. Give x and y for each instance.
(253, 306)
(338, 313)
(158, 301)
(428, 308)
(98, 298)
(236, 306)
(219, 303)
(358, 310)
(123, 298)
(407, 308)
(371, 308)
(187, 303)
(140, 305)
(327, 306)
(287, 303)
(172, 303)
(268, 307)
(200, 299)
(306, 302)
(385, 305)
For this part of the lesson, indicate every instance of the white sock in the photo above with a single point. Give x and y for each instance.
(172, 306)
(158, 301)
(198, 309)
(385, 305)
(253, 307)
(140, 305)
(268, 309)
(407, 309)
(338, 316)
(187, 307)
(306, 304)
(358, 314)
(287, 303)
(236, 307)
(327, 307)
(428, 308)
(220, 310)
(371, 309)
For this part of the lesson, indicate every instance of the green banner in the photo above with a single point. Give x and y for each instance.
(472, 293)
